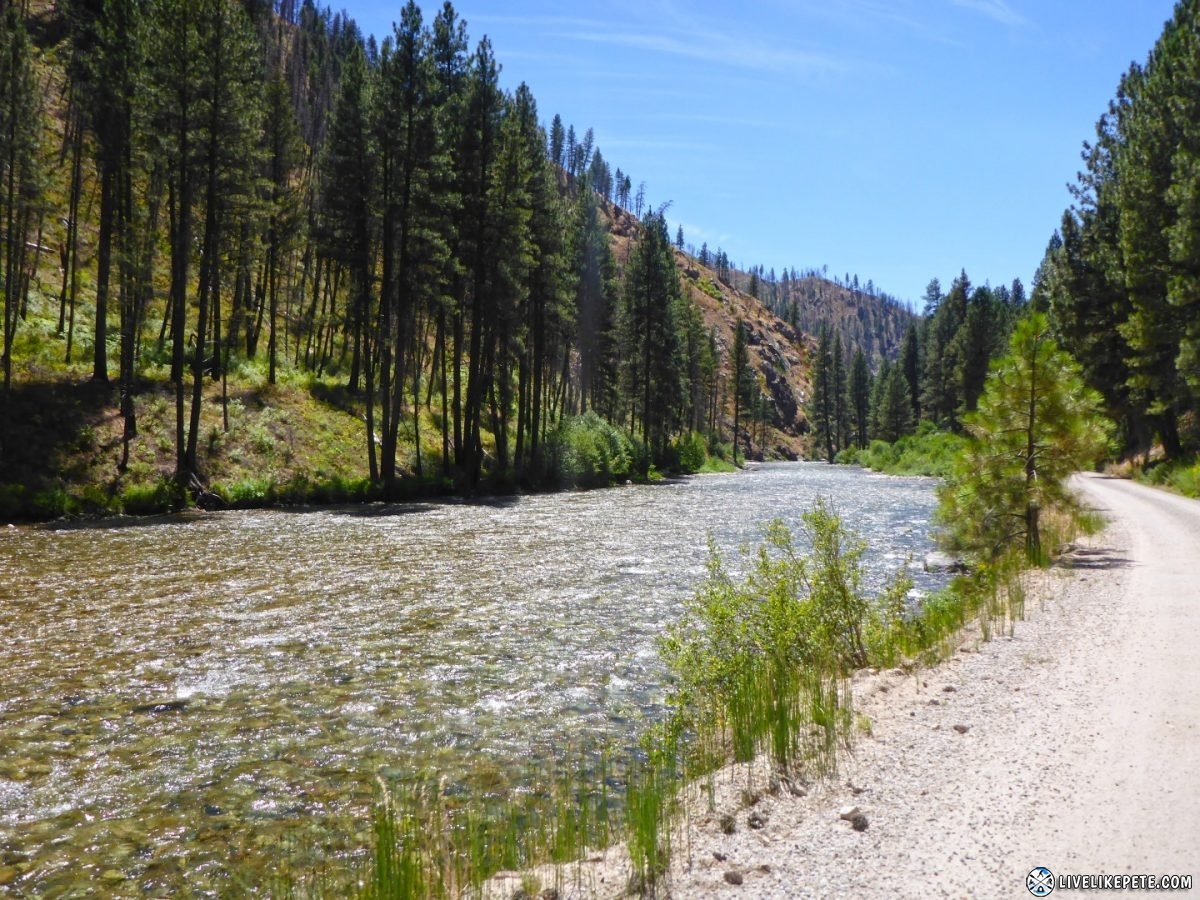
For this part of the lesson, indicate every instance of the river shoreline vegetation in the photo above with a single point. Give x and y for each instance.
(762, 665)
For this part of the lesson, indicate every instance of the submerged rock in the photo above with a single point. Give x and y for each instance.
(162, 706)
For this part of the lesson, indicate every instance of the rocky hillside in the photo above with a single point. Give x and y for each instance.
(779, 353)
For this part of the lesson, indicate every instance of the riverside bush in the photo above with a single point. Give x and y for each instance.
(690, 452)
(928, 452)
(591, 452)
(748, 654)
(1182, 476)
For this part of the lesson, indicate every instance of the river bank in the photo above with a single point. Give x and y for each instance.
(1070, 743)
(300, 442)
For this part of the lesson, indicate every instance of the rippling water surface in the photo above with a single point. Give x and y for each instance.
(174, 694)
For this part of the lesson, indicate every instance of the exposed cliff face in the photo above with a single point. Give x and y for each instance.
(779, 355)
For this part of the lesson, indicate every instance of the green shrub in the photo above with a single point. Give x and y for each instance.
(247, 492)
(1186, 480)
(1182, 476)
(590, 452)
(690, 452)
(706, 284)
(766, 657)
(54, 503)
(928, 452)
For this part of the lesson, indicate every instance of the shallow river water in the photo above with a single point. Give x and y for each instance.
(178, 694)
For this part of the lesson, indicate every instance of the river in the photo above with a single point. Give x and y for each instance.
(179, 692)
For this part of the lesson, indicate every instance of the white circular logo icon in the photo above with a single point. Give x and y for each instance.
(1040, 882)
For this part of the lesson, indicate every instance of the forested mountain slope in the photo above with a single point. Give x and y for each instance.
(236, 233)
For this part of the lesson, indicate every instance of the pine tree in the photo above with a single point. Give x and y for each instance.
(941, 385)
(739, 366)
(893, 412)
(413, 250)
(595, 301)
(557, 141)
(651, 339)
(860, 398)
(282, 155)
(910, 365)
(823, 407)
(976, 342)
(476, 161)
(841, 396)
(1035, 425)
(349, 177)
(107, 54)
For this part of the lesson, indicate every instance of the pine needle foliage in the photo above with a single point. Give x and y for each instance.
(1035, 425)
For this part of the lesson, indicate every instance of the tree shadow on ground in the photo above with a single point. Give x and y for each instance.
(1100, 558)
(43, 426)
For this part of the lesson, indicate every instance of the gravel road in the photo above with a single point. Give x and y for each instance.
(1072, 744)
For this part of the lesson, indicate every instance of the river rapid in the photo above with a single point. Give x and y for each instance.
(179, 695)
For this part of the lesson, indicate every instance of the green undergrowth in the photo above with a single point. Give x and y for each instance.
(299, 442)
(928, 452)
(1181, 476)
(761, 665)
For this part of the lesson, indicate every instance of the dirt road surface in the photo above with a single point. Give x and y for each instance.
(1073, 744)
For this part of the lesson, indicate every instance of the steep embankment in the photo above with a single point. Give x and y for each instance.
(1074, 744)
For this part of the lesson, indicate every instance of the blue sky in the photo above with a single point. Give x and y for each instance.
(898, 140)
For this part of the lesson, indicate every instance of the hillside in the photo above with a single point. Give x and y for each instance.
(241, 347)
(779, 354)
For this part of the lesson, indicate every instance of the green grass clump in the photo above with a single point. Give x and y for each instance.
(155, 497)
(715, 465)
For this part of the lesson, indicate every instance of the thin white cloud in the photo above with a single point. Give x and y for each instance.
(998, 10)
(743, 53)
(871, 15)
(680, 37)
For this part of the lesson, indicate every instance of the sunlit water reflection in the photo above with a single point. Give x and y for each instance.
(178, 692)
